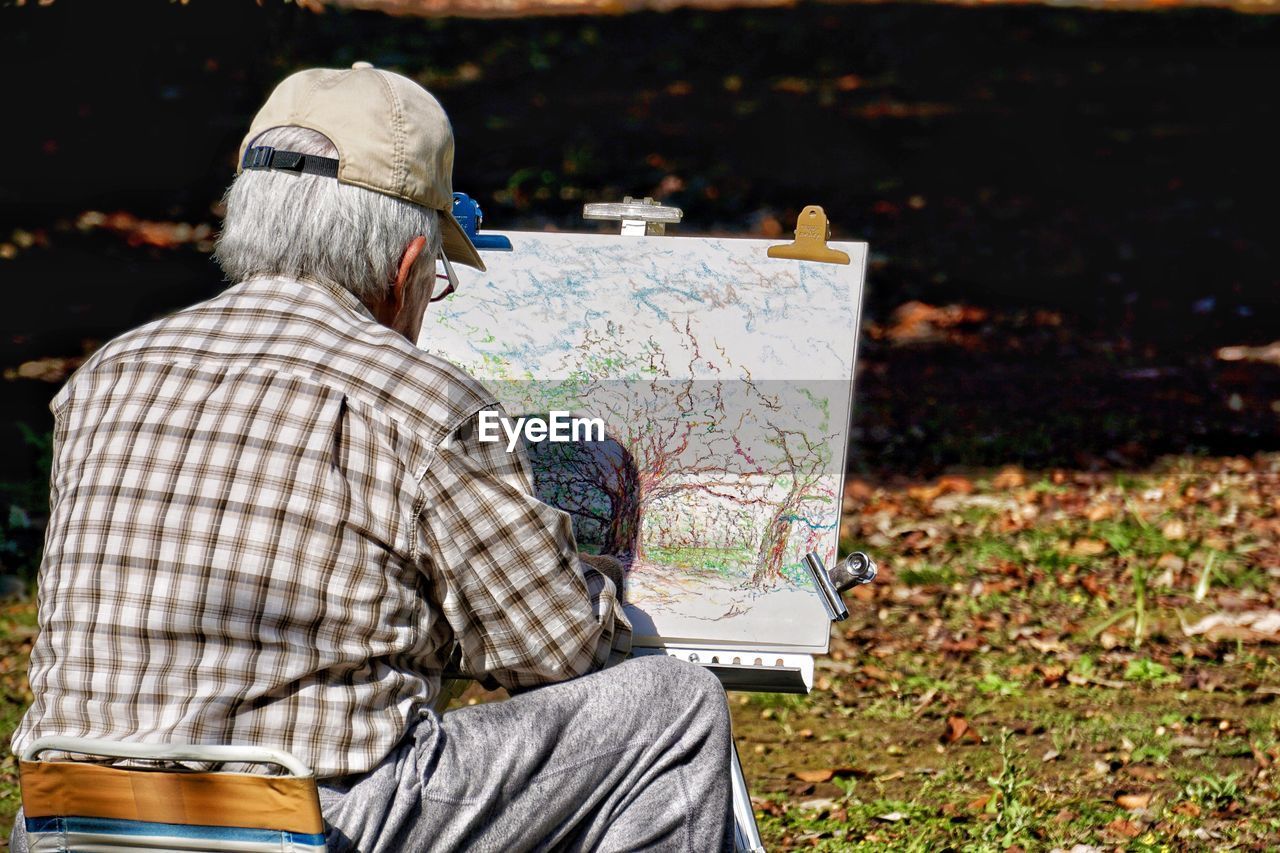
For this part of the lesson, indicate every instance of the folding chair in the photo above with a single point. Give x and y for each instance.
(81, 806)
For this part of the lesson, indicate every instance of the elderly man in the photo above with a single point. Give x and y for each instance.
(273, 524)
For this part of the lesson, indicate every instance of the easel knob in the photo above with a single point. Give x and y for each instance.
(857, 569)
(467, 211)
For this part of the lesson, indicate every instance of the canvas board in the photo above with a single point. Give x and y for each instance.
(723, 380)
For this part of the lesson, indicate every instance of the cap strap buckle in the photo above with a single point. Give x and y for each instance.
(258, 158)
(266, 157)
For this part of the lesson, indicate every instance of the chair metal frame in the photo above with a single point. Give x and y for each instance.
(88, 805)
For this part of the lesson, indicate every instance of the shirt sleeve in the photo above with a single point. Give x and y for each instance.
(510, 467)
(524, 609)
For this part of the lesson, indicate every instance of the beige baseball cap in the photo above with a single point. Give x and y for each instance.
(392, 137)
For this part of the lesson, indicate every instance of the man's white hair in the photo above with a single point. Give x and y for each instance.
(312, 227)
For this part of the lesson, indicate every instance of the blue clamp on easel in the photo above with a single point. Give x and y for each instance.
(467, 211)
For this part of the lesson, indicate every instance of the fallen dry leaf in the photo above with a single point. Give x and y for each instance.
(948, 485)
(1264, 693)
(1053, 674)
(819, 804)
(978, 804)
(45, 369)
(1268, 354)
(858, 491)
(141, 232)
(877, 673)
(1125, 828)
(1146, 774)
(915, 321)
(1047, 647)
(1100, 512)
(1133, 802)
(925, 701)
(1088, 547)
(1253, 626)
(770, 807)
(1010, 477)
(1094, 587)
(958, 730)
(965, 646)
(826, 774)
(999, 587)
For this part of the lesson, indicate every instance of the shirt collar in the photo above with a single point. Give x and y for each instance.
(342, 295)
(338, 293)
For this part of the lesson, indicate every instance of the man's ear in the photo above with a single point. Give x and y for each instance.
(405, 271)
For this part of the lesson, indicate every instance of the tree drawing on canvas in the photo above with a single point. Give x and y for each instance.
(723, 382)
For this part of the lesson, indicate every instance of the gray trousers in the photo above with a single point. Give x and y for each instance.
(632, 758)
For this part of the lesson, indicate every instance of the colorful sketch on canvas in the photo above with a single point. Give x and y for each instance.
(723, 380)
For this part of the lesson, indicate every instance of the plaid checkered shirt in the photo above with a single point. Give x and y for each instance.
(272, 520)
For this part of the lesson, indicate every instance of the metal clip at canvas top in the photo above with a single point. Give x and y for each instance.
(639, 218)
(812, 232)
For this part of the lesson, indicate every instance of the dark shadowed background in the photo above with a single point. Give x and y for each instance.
(1069, 211)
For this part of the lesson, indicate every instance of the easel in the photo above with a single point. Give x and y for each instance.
(766, 673)
(736, 668)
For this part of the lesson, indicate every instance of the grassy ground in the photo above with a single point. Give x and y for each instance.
(17, 628)
(996, 689)
(995, 692)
